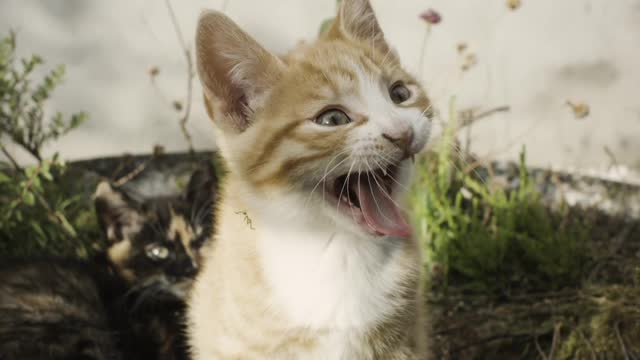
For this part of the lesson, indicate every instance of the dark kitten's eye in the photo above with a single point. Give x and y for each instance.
(332, 117)
(156, 251)
(399, 93)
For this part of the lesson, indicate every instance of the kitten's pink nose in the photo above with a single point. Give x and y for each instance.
(402, 140)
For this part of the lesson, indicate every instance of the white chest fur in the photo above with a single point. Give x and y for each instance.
(326, 280)
(320, 280)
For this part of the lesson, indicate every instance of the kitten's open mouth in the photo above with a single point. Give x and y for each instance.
(368, 198)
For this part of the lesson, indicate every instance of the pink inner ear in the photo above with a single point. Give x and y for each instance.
(225, 100)
(232, 112)
(233, 68)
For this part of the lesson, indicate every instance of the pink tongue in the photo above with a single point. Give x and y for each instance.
(380, 212)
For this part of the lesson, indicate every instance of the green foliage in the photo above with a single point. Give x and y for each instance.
(41, 211)
(44, 211)
(22, 115)
(492, 239)
(326, 24)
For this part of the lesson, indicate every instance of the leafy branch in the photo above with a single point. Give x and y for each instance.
(22, 114)
(29, 194)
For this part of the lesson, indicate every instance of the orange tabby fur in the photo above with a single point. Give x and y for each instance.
(288, 277)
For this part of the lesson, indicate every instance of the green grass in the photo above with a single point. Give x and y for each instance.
(488, 239)
(511, 279)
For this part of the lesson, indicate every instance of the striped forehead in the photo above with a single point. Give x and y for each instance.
(336, 71)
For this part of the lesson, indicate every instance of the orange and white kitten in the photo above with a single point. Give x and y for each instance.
(313, 257)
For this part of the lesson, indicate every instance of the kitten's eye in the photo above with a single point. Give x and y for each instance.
(156, 251)
(332, 117)
(399, 93)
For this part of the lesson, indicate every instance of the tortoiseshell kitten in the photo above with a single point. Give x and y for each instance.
(126, 303)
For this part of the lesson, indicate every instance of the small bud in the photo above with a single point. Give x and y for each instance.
(462, 47)
(514, 4)
(158, 150)
(469, 61)
(580, 110)
(177, 105)
(154, 71)
(431, 16)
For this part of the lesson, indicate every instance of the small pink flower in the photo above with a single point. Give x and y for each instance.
(431, 16)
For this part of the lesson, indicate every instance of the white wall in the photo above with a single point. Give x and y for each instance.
(533, 59)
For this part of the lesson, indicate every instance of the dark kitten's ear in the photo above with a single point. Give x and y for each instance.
(203, 184)
(236, 72)
(119, 216)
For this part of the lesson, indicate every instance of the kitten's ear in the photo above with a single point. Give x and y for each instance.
(201, 195)
(235, 71)
(357, 20)
(118, 215)
(202, 185)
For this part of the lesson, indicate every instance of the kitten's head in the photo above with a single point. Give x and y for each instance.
(155, 244)
(334, 127)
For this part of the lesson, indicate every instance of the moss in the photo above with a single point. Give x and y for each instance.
(491, 239)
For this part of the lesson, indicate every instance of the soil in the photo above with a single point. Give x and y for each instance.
(598, 318)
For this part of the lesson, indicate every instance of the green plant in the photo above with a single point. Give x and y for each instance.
(22, 114)
(491, 239)
(326, 24)
(40, 210)
(44, 211)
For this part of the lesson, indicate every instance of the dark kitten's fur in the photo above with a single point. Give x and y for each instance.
(127, 303)
(57, 310)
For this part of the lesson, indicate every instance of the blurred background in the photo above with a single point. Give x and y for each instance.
(566, 70)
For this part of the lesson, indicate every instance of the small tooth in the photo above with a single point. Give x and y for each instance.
(384, 171)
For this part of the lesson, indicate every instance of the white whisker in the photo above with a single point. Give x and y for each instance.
(327, 173)
(386, 162)
(349, 197)
(373, 195)
(384, 191)
(343, 186)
